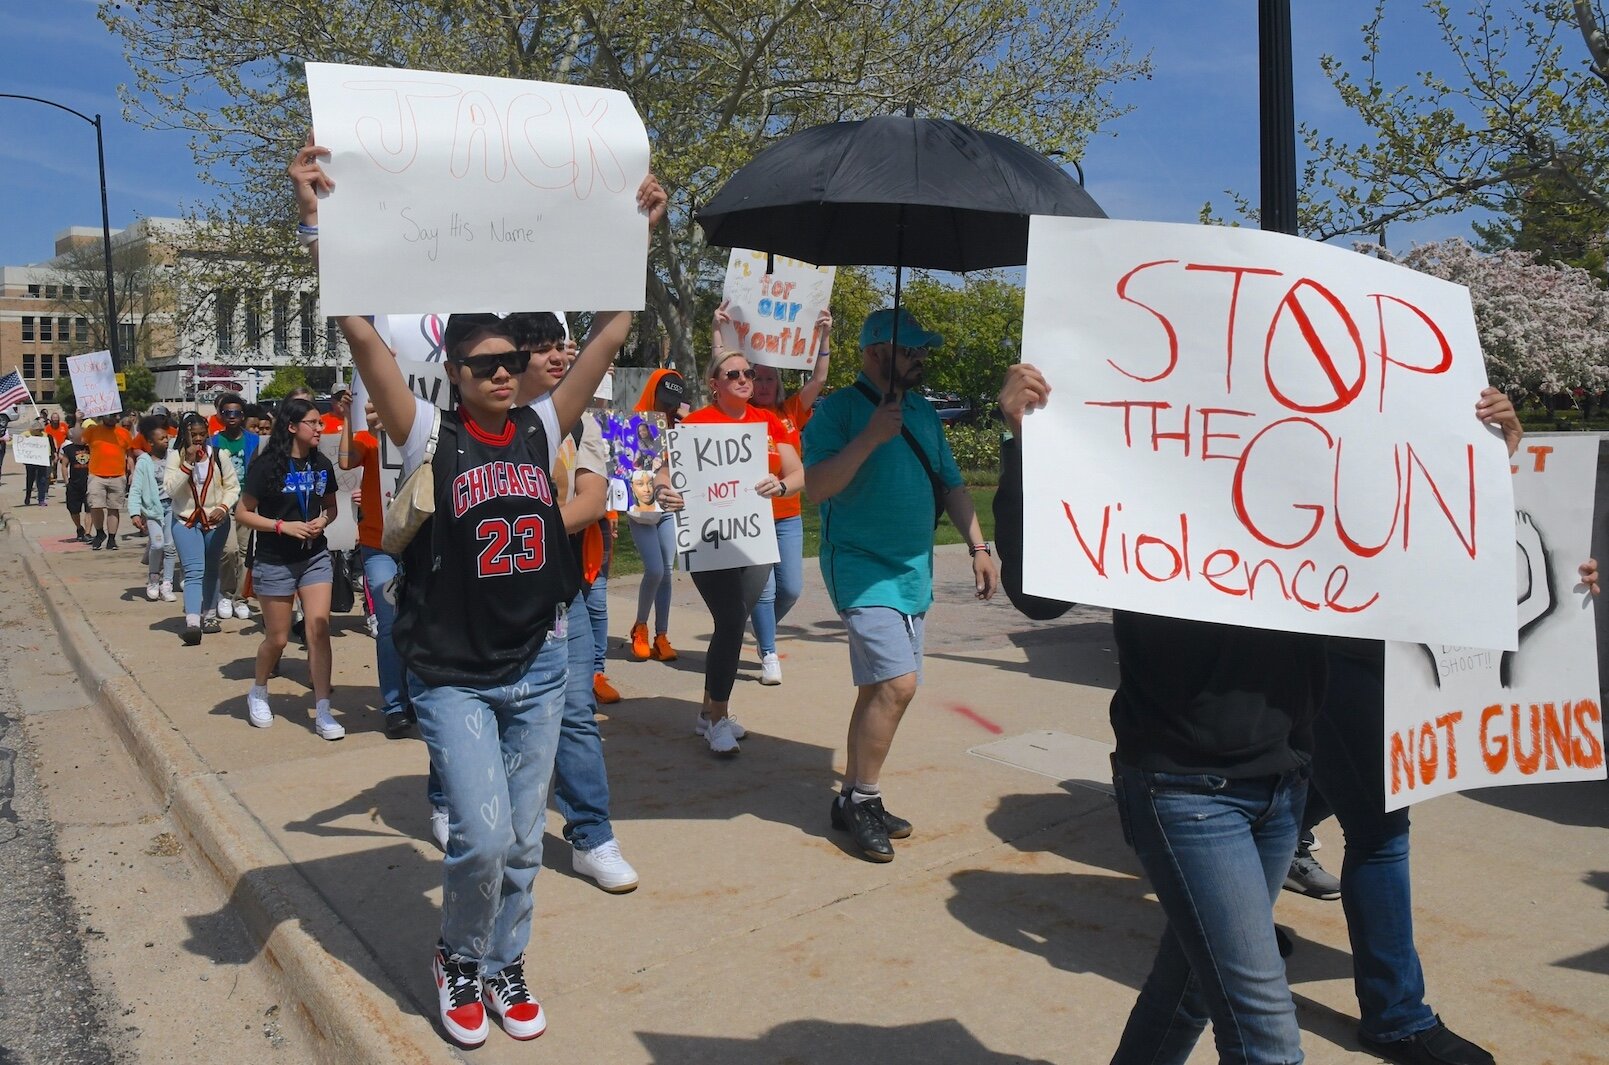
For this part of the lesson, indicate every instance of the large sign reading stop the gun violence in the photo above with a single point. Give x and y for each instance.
(1254, 429)
(1460, 717)
(469, 192)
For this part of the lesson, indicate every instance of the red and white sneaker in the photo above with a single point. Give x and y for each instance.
(511, 1003)
(458, 988)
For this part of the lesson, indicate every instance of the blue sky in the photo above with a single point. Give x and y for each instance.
(1191, 134)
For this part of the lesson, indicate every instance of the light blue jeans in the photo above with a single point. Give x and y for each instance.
(200, 554)
(493, 751)
(784, 585)
(378, 570)
(1216, 852)
(657, 546)
(159, 543)
(580, 781)
(597, 599)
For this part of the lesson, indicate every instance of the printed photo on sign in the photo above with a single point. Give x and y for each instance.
(452, 190)
(1254, 429)
(1461, 717)
(94, 384)
(773, 315)
(724, 522)
(636, 444)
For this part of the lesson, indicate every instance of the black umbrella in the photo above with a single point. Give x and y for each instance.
(893, 191)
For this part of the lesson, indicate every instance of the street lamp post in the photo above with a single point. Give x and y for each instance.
(1278, 116)
(106, 224)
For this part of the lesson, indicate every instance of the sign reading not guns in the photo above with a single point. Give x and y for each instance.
(724, 523)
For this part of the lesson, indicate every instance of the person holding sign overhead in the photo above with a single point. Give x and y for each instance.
(732, 593)
(481, 620)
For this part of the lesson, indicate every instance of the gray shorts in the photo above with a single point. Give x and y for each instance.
(284, 578)
(883, 643)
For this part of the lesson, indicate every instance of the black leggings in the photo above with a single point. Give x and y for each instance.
(730, 594)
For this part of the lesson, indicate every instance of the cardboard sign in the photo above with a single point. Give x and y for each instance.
(724, 523)
(94, 384)
(1460, 717)
(774, 315)
(1254, 429)
(31, 450)
(461, 191)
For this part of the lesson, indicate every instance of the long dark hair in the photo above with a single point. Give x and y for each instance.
(277, 451)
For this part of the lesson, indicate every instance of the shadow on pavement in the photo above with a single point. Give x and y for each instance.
(1592, 961)
(805, 1042)
(1583, 803)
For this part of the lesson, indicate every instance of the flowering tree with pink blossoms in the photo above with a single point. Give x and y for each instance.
(1544, 327)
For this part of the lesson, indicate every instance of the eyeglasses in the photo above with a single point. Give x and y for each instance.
(231, 413)
(484, 367)
(316, 423)
(733, 375)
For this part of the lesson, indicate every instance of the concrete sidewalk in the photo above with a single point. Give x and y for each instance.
(1012, 927)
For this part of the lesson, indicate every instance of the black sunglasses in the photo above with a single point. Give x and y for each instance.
(231, 412)
(484, 367)
(733, 375)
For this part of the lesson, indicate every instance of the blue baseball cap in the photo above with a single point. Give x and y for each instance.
(879, 329)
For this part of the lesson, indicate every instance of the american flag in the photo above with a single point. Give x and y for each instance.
(13, 391)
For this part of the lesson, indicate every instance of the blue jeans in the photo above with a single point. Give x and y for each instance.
(580, 781)
(657, 546)
(200, 554)
(493, 749)
(597, 599)
(36, 484)
(159, 544)
(1376, 890)
(378, 570)
(782, 588)
(1216, 852)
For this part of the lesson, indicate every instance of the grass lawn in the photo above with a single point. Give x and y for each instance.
(627, 561)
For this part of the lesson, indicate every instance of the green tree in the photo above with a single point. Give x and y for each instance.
(139, 387)
(1546, 220)
(714, 81)
(140, 289)
(981, 320)
(286, 380)
(64, 392)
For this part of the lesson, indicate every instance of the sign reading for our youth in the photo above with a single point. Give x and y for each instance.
(724, 522)
(1460, 717)
(470, 192)
(774, 314)
(31, 450)
(1255, 429)
(94, 384)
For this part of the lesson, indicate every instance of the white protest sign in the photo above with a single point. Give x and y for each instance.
(31, 450)
(428, 381)
(1460, 717)
(724, 523)
(342, 534)
(470, 192)
(774, 314)
(412, 337)
(1254, 429)
(94, 383)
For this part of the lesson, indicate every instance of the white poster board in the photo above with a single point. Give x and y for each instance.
(724, 523)
(1460, 717)
(342, 534)
(428, 381)
(1255, 429)
(470, 192)
(94, 384)
(774, 314)
(31, 450)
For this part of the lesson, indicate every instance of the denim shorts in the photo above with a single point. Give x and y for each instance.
(883, 643)
(283, 578)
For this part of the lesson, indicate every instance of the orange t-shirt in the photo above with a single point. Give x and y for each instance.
(214, 425)
(58, 433)
(108, 450)
(139, 443)
(332, 425)
(775, 433)
(366, 449)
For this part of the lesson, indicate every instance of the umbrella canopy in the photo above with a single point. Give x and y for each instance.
(893, 191)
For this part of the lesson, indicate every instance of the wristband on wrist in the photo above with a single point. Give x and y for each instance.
(278, 525)
(985, 548)
(305, 233)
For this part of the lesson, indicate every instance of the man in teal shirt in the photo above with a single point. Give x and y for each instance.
(877, 461)
(241, 447)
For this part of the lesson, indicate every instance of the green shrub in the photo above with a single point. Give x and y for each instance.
(977, 451)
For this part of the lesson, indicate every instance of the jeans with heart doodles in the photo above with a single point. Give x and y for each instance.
(493, 751)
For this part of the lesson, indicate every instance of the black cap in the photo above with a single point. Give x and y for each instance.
(670, 393)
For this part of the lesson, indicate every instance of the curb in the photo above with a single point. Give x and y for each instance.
(351, 1019)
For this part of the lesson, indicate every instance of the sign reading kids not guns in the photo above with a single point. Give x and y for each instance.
(470, 192)
(773, 315)
(1254, 429)
(724, 522)
(1460, 717)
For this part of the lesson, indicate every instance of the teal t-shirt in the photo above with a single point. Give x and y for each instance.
(877, 534)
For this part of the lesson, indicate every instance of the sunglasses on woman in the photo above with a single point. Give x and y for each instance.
(733, 375)
(484, 367)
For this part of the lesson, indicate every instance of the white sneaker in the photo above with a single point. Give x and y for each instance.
(152, 592)
(721, 737)
(770, 669)
(607, 866)
(701, 726)
(510, 1001)
(327, 727)
(226, 609)
(167, 593)
(242, 609)
(458, 993)
(438, 825)
(257, 707)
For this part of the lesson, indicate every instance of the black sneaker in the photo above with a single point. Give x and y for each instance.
(864, 823)
(192, 635)
(896, 827)
(82, 537)
(210, 626)
(1433, 1046)
(111, 543)
(99, 541)
(397, 723)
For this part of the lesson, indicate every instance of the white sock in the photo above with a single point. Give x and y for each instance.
(259, 691)
(864, 792)
(324, 710)
(193, 620)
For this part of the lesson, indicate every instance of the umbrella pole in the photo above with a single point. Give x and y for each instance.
(892, 395)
